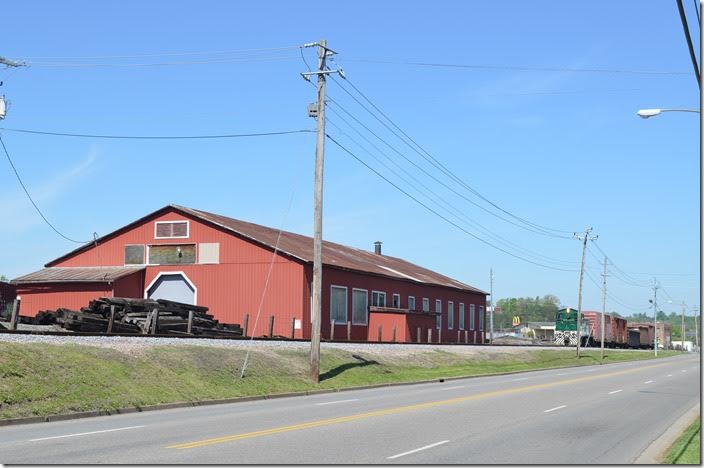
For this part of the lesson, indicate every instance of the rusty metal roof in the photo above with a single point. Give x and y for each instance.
(77, 274)
(337, 255)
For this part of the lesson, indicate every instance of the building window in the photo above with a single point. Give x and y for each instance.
(438, 311)
(396, 299)
(426, 305)
(471, 316)
(461, 316)
(172, 254)
(481, 318)
(378, 299)
(134, 255)
(411, 303)
(209, 253)
(450, 315)
(171, 229)
(360, 306)
(338, 304)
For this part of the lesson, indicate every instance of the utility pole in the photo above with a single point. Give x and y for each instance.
(491, 305)
(318, 111)
(695, 309)
(9, 64)
(603, 306)
(682, 339)
(584, 238)
(655, 308)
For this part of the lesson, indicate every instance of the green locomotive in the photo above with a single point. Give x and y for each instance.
(566, 327)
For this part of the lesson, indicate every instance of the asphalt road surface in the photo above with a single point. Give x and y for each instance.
(598, 414)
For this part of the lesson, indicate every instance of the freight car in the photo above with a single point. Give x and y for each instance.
(618, 333)
(615, 331)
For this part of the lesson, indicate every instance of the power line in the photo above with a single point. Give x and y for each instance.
(36, 207)
(169, 54)
(437, 164)
(611, 296)
(155, 137)
(435, 198)
(523, 68)
(157, 64)
(424, 171)
(438, 214)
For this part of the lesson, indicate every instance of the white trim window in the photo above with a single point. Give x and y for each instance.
(438, 311)
(360, 306)
(378, 299)
(180, 229)
(396, 300)
(461, 312)
(471, 316)
(411, 303)
(135, 254)
(481, 318)
(450, 315)
(338, 304)
(426, 305)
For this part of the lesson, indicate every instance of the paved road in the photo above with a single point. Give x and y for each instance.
(601, 414)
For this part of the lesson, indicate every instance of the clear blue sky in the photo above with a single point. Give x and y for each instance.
(562, 149)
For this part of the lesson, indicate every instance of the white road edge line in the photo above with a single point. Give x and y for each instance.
(564, 373)
(86, 433)
(615, 391)
(452, 388)
(555, 408)
(669, 375)
(335, 402)
(684, 370)
(518, 380)
(649, 381)
(417, 450)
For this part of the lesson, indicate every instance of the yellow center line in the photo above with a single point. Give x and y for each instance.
(399, 409)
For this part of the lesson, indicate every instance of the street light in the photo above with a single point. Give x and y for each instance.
(647, 113)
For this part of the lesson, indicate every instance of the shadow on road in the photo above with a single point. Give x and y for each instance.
(361, 362)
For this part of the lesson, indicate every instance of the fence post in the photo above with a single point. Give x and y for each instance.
(418, 335)
(111, 320)
(466, 337)
(393, 334)
(190, 322)
(15, 313)
(271, 326)
(459, 337)
(332, 329)
(293, 328)
(430, 335)
(379, 333)
(155, 320)
(349, 331)
(245, 324)
(439, 335)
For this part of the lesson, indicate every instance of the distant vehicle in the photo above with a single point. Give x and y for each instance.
(566, 328)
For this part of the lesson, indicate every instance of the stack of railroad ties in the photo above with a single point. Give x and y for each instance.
(140, 316)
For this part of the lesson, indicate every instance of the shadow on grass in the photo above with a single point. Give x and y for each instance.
(335, 371)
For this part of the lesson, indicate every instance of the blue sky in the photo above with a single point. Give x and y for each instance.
(562, 149)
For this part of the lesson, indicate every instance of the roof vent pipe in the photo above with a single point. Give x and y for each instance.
(377, 247)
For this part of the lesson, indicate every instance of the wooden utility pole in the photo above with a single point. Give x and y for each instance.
(318, 221)
(585, 238)
(603, 308)
(491, 306)
(682, 338)
(318, 111)
(695, 309)
(655, 315)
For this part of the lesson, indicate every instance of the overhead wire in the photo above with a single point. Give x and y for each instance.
(447, 206)
(433, 211)
(31, 199)
(522, 68)
(434, 161)
(168, 54)
(155, 137)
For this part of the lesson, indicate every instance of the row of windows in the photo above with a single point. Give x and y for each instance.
(171, 254)
(360, 307)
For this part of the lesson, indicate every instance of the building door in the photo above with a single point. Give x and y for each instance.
(173, 287)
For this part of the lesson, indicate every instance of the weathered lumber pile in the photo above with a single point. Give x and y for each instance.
(142, 316)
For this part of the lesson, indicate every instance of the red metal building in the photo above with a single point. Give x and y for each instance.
(222, 263)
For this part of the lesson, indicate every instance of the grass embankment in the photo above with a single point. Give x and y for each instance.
(42, 379)
(687, 449)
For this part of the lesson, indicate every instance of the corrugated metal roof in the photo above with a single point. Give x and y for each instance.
(337, 255)
(76, 274)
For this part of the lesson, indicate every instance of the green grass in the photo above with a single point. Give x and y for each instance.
(687, 449)
(42, 379)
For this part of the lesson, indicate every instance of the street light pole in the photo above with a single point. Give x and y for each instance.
(647, 113)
